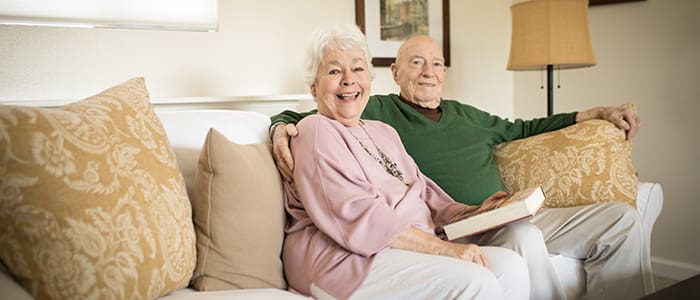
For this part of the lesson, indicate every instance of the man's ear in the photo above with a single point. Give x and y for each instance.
(394, 71)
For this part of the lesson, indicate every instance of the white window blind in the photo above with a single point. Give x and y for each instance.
(190, 15)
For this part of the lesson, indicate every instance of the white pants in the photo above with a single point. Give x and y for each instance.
(402, 274)
(609, 238)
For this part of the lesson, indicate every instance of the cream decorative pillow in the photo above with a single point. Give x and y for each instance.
(239, 216)
(585, 163)
(92, 204)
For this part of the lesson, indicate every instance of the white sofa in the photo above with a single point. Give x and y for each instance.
(187, 130)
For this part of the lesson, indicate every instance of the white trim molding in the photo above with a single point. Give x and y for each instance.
(673, 269)
(269, 105)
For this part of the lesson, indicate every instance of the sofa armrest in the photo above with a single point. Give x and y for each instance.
(650, 201)
(9, 288)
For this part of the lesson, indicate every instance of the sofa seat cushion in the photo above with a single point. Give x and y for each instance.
(239, 216)
(247, 294)
(92, 203)
(586, 163)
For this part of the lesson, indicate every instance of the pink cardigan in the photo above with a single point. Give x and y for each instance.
(345, 208)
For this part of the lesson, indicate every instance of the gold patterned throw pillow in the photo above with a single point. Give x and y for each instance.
(582, 164)
(92, 203)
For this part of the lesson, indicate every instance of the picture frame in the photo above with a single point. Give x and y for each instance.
(384, 40)
(603, 2)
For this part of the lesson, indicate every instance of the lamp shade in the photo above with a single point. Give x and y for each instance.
(550, 32)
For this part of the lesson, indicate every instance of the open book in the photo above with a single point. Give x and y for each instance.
(521, 205)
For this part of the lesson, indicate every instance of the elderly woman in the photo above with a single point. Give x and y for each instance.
(363, 216)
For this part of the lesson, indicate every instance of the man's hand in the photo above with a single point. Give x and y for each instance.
(280, 149)
(624, 117)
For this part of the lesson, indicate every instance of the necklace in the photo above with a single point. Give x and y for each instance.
(383, 159)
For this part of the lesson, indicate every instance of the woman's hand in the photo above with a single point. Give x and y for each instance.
(468, 252)
(280, 149)
(414, 239)
(498, 199)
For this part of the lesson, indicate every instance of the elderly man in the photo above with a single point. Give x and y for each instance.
(452, 144)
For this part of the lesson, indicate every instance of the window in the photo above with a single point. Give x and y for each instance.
(189, 15)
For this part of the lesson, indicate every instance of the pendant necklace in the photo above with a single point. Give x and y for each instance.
(383, 159)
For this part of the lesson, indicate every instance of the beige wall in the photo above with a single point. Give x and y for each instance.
(258, 50)
(646, 51)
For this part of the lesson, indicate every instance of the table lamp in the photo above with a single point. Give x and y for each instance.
(549, 34)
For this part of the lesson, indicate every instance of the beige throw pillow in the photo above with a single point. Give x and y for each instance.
(582, 164)
(239, 216)
(92, 204)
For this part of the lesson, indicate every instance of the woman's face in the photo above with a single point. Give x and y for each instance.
(342, 85)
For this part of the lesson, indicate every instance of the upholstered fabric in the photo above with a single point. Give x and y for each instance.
(92, 204)
(239, 216)
(585, 163)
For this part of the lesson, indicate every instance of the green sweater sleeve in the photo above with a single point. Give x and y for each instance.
(290, 117)
(504, 130)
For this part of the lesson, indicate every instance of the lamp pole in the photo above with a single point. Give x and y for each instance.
(550, 90)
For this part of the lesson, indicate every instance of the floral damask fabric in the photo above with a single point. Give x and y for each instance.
(586, 163)
(92, 204)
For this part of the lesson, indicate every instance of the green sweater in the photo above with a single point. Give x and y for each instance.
(457, 151)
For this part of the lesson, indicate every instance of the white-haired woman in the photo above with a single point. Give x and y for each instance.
(362, 216)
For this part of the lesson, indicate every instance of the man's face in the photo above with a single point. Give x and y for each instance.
(420, 71)
(342, 85)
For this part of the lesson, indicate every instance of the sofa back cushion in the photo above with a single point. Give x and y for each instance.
(239, 216)
(582, 164)
(92, 203)
(187, 130)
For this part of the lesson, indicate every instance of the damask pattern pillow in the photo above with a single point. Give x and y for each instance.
(582, 164)
(239, 215)
(92, 204)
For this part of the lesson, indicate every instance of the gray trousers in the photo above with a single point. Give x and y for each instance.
(609, 239)
(527, 240)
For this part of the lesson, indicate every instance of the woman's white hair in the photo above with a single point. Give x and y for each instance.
(338, 37)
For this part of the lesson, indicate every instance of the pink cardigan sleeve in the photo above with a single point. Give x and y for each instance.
(442, 206)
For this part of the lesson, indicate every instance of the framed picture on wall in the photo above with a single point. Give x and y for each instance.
(387, 23)
(602, 2)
